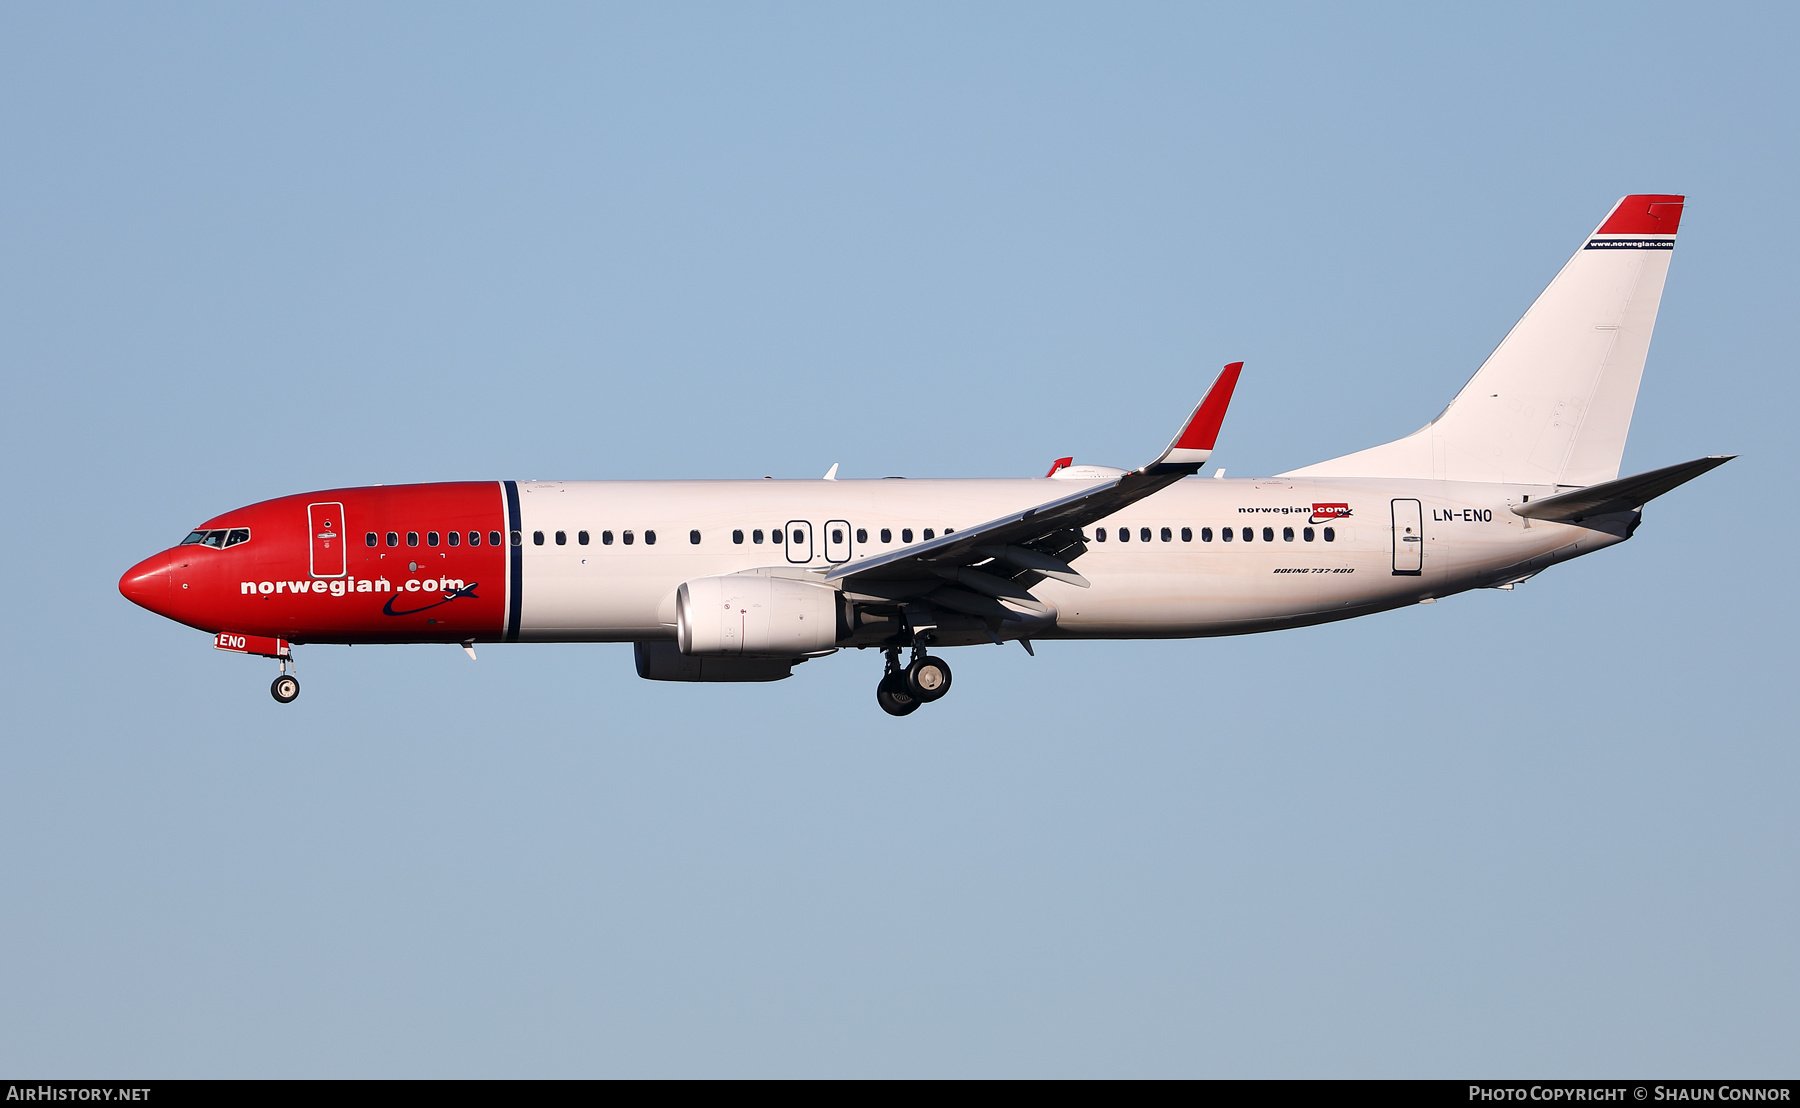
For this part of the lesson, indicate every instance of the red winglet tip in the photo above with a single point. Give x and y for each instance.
(1644, 214)
(1202, 432)
(1060, 463)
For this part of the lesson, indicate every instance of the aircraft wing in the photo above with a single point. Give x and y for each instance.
(1622, 495)
(1039, 541)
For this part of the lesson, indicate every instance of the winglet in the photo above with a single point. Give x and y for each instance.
(1195, 443)
(1060, 463)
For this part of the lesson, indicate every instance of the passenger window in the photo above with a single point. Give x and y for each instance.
(649, 538)
(1099, 534)
(1330, 535)
(371, 539)
(494, 538)
(1206, 534)
(537, 538)
(581, 537)
(1249, 534)
(737, 537)
(606, 538)
(906, 534)
(1287, 534)
(694, 537)
(562, 538)
(837, 534)
(1167, 535)
(431, 538)
(1187, 534)
(628, 538)
(412, 538)
(1144, 534)
(518, 538)
(797, 536)
(1224, 533)
(862, 534)
(930, 534)
(1268, 534)
(1306, 533)
(756, 536)
(455, 537)
(393, 538)
(1124, 534)
(887, 534)
(475, 538)
(777, 535)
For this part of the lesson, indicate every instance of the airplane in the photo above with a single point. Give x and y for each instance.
(742, 580)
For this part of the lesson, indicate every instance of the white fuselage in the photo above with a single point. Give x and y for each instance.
(1162, 588)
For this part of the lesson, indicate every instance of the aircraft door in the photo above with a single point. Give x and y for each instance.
(837, 541)
(325, 528)
(1409, 539)
(799, 544)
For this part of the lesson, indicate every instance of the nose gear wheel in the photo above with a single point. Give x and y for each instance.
(285, 688)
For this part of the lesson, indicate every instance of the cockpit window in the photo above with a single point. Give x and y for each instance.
(219, 538)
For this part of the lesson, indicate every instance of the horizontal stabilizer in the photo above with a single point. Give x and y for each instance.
(1622, 495)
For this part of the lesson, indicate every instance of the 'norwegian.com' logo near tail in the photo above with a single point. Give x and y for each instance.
(1552, 404)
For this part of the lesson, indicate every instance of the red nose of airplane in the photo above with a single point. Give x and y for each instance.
(148, 584)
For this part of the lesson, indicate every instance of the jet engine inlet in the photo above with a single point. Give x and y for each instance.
(745, 613)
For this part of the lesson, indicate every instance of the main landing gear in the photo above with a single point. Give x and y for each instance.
(286, 688)
(902, 690)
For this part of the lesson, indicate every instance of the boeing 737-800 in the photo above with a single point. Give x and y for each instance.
(743, 580)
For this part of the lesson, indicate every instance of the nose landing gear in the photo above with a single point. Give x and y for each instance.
(902, 689)
(286, 688)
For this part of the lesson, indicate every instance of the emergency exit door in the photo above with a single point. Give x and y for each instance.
(1409, 538)
(799, 540)
(837, 541)
(325, 525)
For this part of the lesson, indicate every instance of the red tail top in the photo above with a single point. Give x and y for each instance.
(1644, 215)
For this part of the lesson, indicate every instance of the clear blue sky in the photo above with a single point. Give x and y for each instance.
(254, 250)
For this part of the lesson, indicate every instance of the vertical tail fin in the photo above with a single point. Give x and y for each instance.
(1552, 404)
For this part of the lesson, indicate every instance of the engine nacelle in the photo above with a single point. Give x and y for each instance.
(664, 661)
(747, 613)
